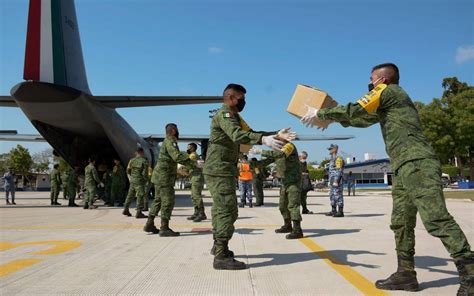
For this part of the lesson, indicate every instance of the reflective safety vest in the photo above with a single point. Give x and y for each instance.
(245, 172)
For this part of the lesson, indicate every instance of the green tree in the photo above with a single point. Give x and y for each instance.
(448, 123)
(315, 174)
(42, 160)
(20, 160)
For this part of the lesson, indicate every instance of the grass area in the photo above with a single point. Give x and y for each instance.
(459, 194)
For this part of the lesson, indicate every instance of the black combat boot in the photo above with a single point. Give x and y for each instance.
(403, 279)
(340, 213)
(140, 215)
(241, 205)
(194, 215)
(305, 211)
(465, 268)
(200, 216)
(165, 230)
(150, 225)
(92, 207)
(227, 251)
(203, 212)
(8, 202)
(126, 212)
(86, 206)
(297, 232)
(145, 206)
(286, 228)
(250, 204)
(332, 212)
(223, 260)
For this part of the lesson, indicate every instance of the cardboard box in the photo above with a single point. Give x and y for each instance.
(244, 148)
(308, 95)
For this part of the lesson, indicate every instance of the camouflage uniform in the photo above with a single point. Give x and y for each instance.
(289, 168)
(107, 177)
(70, 181)
(164, 178)
(228, 131)
(55, 180)
(118, 184)
(336, 171)
(259, 175)
(137, 171)
(417, 185)
(197, 184)
(90, 183)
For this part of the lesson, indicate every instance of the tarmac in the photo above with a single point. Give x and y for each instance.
(59, 250)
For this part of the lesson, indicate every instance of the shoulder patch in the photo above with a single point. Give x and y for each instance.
(371, 101)
(228, 114)
(288, 149)
(339, 162)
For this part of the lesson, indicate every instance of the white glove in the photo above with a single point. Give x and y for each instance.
(255, 150)
(200, 163)
(311, 114)
(101, 185)
(271, 142)
(285, 134)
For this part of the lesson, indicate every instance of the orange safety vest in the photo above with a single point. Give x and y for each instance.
(245, 172)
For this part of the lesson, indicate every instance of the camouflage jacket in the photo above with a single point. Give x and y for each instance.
(259, 168)
(228, 131)
(287, 163)
(91, 176)
(194, 171)
(165, 171)
(394, 110)
(55, 177)
(137, 170)
(118, 176)
(70, 178)
(335, 168)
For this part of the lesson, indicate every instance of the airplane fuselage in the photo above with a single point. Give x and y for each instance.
(76, 125)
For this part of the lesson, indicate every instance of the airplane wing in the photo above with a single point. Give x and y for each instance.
(13, 136)
(7, 101)
(146, 101)
(323, 137)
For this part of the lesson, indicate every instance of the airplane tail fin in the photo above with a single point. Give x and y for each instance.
(53, 45)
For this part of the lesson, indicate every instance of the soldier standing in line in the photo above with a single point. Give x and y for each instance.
(259, 175)
(289, 168)
(197, 184)
(306, 185)
(137, 171)
(55, 180)
(90, 183)
(118, 183)
(71, 184)
(417, 185)
(228, 131)
(351, 184)
(164, 177)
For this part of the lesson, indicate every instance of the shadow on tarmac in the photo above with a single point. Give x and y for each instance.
(335, 256)
(325, 232)
(430, 263)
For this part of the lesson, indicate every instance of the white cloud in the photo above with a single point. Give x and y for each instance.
(464, 54)
(215, 50)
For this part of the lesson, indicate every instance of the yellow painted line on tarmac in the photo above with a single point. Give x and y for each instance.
(58, 246)
(13, 266)
(122, 226)
(352, 276)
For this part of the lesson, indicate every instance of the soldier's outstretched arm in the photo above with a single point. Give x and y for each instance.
(285, 151)
(363, 121)
(231, 126)
(176, 155)
(266, 161)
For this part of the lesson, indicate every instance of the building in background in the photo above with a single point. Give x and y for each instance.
(376, 173)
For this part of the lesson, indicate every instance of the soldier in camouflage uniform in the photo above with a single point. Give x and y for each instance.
(336, 192)
(71, 182)
(417, 185)
(118, 183)
(289, 168)
(164, 178)
(55, 180)
(137, 171)
(197, 184)
(228, 131)
(305, 183)
(107, 180)
(90, 183)
(259, 175)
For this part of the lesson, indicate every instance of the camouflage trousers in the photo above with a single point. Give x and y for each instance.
(197, 184)
(70, 194)
(417, 187)
(336, 195)
(164, 201)
(91, 191)
(224, 206)
(258, 191)
(136, 191)
(55, 189)
(304, 198)
(117, 194)
(290, 201)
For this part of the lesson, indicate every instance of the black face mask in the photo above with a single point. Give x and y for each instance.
(371, 86)
(240, 105)
(189, 151)
(177, 135)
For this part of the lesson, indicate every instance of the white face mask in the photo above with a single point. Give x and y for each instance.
(371, 85)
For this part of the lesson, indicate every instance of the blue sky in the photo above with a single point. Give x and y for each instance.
(196, 47)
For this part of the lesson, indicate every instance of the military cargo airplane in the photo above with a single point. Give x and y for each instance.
(55, 96)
